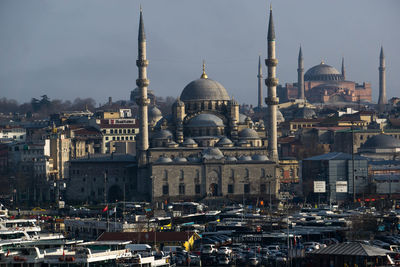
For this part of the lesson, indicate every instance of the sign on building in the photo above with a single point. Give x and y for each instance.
(319, 187)
(341, 187)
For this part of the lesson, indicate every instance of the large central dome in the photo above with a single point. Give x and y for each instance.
(323, 72)
(204, 89)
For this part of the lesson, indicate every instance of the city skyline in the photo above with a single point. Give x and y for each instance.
(88, 49)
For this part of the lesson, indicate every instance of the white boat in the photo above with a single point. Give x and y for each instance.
(14, 230)
(79, 256)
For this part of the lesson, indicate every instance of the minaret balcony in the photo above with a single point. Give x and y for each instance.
(142, 83)
(142, 62)
(271, 62)
(271, 82)
(142, 101)
(272, 100)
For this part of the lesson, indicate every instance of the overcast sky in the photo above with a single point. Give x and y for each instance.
(88, 48)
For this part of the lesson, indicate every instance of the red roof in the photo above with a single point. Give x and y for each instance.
(287, 139)
(307, 120)
(87, 131)
(140, 237)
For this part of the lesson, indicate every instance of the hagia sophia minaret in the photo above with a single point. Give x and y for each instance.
(260, 88)
(300, 75)
(382, 81)
(272, 100)
(142, 82)
(343, 70)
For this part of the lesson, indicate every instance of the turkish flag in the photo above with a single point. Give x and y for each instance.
(105, 208)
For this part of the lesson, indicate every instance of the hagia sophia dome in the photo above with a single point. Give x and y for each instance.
(323, 72)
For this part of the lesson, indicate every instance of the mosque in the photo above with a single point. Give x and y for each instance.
(206, 148)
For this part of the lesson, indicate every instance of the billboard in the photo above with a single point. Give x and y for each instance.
(319, 187)
(341, 187)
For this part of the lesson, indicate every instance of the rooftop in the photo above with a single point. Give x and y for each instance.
(351, 249)
(336, 156)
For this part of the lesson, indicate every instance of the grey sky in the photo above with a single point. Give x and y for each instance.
(87, 48)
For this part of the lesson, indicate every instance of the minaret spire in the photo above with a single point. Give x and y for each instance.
(382, 82)
(142, 82)
(300, 76)
(260, 87)
(343, 70)
(272, 101)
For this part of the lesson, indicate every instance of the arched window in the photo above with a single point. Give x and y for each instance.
(263, 172)
(181, 175)
(246, 173)
(165, 178)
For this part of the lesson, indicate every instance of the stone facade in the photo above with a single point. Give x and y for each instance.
(213, 178)
(89, 176)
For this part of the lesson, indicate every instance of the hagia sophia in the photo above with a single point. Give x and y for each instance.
(324, 84)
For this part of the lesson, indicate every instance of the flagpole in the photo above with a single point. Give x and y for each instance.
(108, 222)
(105, 199)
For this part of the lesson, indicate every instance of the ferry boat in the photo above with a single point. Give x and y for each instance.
(78, 256)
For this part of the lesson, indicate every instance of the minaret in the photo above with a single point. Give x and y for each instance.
(382, 82)
(343, 70)
(260, 88)
(142, 82)
(300, 76)
(272, 101)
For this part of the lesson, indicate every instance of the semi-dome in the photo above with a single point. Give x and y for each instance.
(231, 158)
(193, 159)
(204, 89)
(224, 141)
(260, 157)
(179, 159)
(279, 116)
(381, 141)
(323, 72)
(154, 114)
(205, 120)
(243, 118)
(162, 134)
(189, 141)
(248, 133)
(212, 153)
(172, 143)
(245, 158)
(163, 159)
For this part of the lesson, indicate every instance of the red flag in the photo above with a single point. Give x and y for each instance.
(105, 208)
(8, 252)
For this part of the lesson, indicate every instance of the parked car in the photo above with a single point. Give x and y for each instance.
(223, 260)
(224, 250)
(208, 249)
(379, 243)
(311, 245)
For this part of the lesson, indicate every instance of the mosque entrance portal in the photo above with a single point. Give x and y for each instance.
(115, 194)
(213, 190)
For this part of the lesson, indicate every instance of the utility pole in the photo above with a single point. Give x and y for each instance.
(352, 160)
